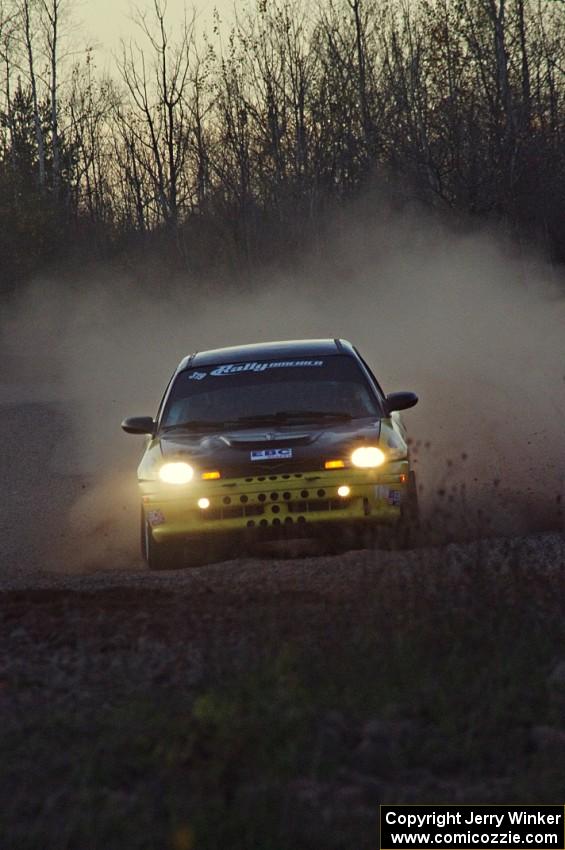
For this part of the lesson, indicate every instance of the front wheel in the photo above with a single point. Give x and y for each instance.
(159, 556)
(407, 529)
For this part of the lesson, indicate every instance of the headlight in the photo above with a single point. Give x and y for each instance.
(367, 457)
(176, 473)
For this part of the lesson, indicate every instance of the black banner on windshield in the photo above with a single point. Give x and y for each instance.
(253, 366)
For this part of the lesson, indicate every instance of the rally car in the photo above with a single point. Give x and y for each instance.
(276, 439)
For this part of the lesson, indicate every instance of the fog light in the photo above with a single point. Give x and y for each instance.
(344, 491)
(334, 464)
(203, 504)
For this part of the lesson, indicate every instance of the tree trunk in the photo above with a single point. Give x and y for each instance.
(40, 140)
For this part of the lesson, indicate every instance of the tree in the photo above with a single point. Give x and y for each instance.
(29, 13)
(156, 119)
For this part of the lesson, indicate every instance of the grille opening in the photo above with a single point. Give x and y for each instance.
(227, 500)
(233, 512)
(261, 497)
(263, 523)
(275, 509)
(288, 520)
(304, 494)
(273, 477)
(276, 521)
(251, 524)
(285, 476)
(287, 496)
(243, 499)
(308, 505)
(274, 496)
(321, 493)
(301, 519)
(261, 478)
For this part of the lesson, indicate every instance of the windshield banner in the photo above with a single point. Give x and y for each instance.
(254, 366)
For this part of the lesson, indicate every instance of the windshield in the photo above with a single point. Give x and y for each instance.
(289, 391)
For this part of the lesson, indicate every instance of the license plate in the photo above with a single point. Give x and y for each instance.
(271, 454)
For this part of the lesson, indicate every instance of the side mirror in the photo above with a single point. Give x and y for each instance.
(400, 401)
(138, 425)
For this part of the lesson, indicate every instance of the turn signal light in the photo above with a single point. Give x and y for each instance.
(334, 464)
(211, 476)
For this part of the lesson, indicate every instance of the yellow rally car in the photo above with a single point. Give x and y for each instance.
(278, 439)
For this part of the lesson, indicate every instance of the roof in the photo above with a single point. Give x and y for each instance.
(267, 351)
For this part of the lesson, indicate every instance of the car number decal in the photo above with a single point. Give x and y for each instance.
(271, 454)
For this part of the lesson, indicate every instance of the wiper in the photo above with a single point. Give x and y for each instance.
(195, 425)
(283, 416)
(280, 417)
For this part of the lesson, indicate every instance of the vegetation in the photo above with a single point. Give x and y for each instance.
(229, 150)
(347, 683)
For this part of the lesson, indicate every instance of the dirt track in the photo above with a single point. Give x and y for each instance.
(102, 657)
(69, 637)
(46, 542)
(35, 498)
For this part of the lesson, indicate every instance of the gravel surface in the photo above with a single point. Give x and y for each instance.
(36, 497)
(324, 574)
(40, 547)
(89, 635)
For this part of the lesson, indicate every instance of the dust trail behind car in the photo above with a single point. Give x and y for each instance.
(467, 321)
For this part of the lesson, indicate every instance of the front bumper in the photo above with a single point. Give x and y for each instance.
(286, 502)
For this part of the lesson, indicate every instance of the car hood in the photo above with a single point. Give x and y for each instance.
(251, 449)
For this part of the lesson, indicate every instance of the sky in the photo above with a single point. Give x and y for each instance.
(105, 22)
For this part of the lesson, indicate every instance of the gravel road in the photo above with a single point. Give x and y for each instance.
(59, 513)
(36, 498)
(43, 544)
(86, 630)
(40, 495)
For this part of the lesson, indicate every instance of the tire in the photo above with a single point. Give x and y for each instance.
(411, 512)
(407, 529)
(159, 556)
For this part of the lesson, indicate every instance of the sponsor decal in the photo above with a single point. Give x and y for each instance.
(197, 376)
(271, 454)
(384, 493)
(155, 518)
(233, 368)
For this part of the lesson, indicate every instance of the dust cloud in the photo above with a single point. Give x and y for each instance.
(469, 321)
